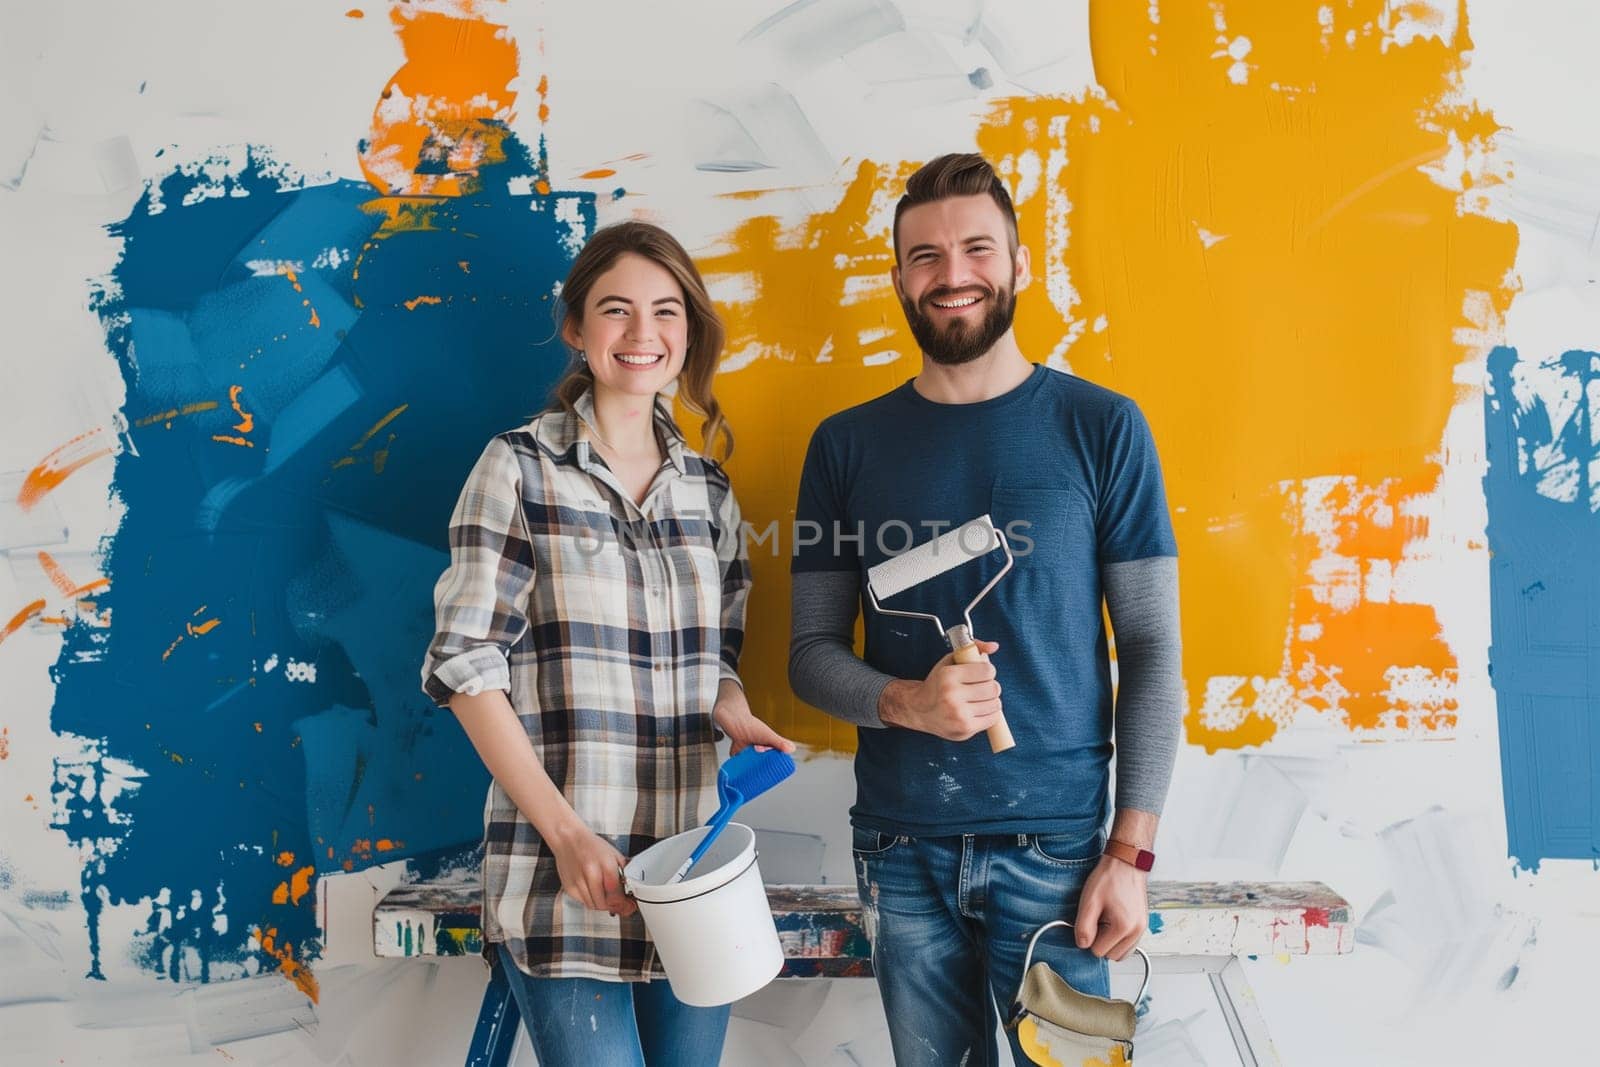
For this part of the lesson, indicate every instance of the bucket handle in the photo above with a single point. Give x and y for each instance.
(1027, 959)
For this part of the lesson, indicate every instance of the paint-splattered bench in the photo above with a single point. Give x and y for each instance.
(1195, 927)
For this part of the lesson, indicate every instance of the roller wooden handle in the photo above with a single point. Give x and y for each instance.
(1000, 737)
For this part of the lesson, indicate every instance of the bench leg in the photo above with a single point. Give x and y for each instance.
(494, 1037)
(1238, 1003)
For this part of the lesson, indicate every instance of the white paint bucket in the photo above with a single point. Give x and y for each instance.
(713, 930)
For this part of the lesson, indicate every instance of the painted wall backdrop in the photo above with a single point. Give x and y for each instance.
(271, 274)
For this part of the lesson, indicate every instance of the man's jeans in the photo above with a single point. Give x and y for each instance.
(582, 1022)
(949, 919)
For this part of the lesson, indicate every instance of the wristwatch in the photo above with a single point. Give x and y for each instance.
(1141, 858)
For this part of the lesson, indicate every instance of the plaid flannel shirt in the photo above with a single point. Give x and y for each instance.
(610, 625)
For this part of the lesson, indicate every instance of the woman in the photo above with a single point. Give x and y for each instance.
(589, 629)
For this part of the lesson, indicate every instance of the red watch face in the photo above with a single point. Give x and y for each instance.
(1146, 859)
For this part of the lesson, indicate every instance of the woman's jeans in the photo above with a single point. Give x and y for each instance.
(582, 1022)
(949, 919)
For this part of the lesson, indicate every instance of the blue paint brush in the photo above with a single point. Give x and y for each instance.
(743, 777)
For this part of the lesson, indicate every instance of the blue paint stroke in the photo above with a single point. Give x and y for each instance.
(1543, 492)
(299, 556)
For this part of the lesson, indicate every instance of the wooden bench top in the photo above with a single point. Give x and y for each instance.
(820, 925)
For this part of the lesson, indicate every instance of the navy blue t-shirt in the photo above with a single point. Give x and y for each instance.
(1068, 470)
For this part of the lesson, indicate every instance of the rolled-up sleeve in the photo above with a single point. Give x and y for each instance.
(734, 556)
(480, 602)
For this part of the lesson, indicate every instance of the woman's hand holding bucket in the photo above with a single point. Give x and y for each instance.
(590, 870)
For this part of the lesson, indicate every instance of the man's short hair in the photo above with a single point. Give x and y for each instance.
(955, 174)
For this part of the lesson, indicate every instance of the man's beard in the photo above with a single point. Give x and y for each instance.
(959, 343)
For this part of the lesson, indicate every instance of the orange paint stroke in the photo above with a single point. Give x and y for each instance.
(280, 895)
(204, 628)
(288, 966)
(247, 421)
(1233, 256)
(171, 647)
(417, 301)
(447, 110)
(285, 859)
(355, 13)
(57, 576)
(20, 619)
(602, 172)
(242, 442)
(5, 742)
(56, 467)
(300, 884)
(294, 280)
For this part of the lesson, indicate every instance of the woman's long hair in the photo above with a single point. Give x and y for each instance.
(706, 333)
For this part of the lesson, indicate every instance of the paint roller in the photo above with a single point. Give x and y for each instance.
(967, 542)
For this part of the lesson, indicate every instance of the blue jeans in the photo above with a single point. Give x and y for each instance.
(582, 1022)
(949, 919)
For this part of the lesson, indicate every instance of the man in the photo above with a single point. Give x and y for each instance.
(961, 852)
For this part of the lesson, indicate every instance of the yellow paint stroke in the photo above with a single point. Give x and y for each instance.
(447, 110)
(757, 194)
(417, 301)
(1270, 274)
(380, 456)
(167, 416)
(58, 465)
(288, 966)
(380, 424)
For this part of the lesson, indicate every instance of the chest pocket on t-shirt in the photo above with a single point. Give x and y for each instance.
(1038, 523)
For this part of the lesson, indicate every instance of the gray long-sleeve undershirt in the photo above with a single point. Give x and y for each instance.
(1142, 599)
